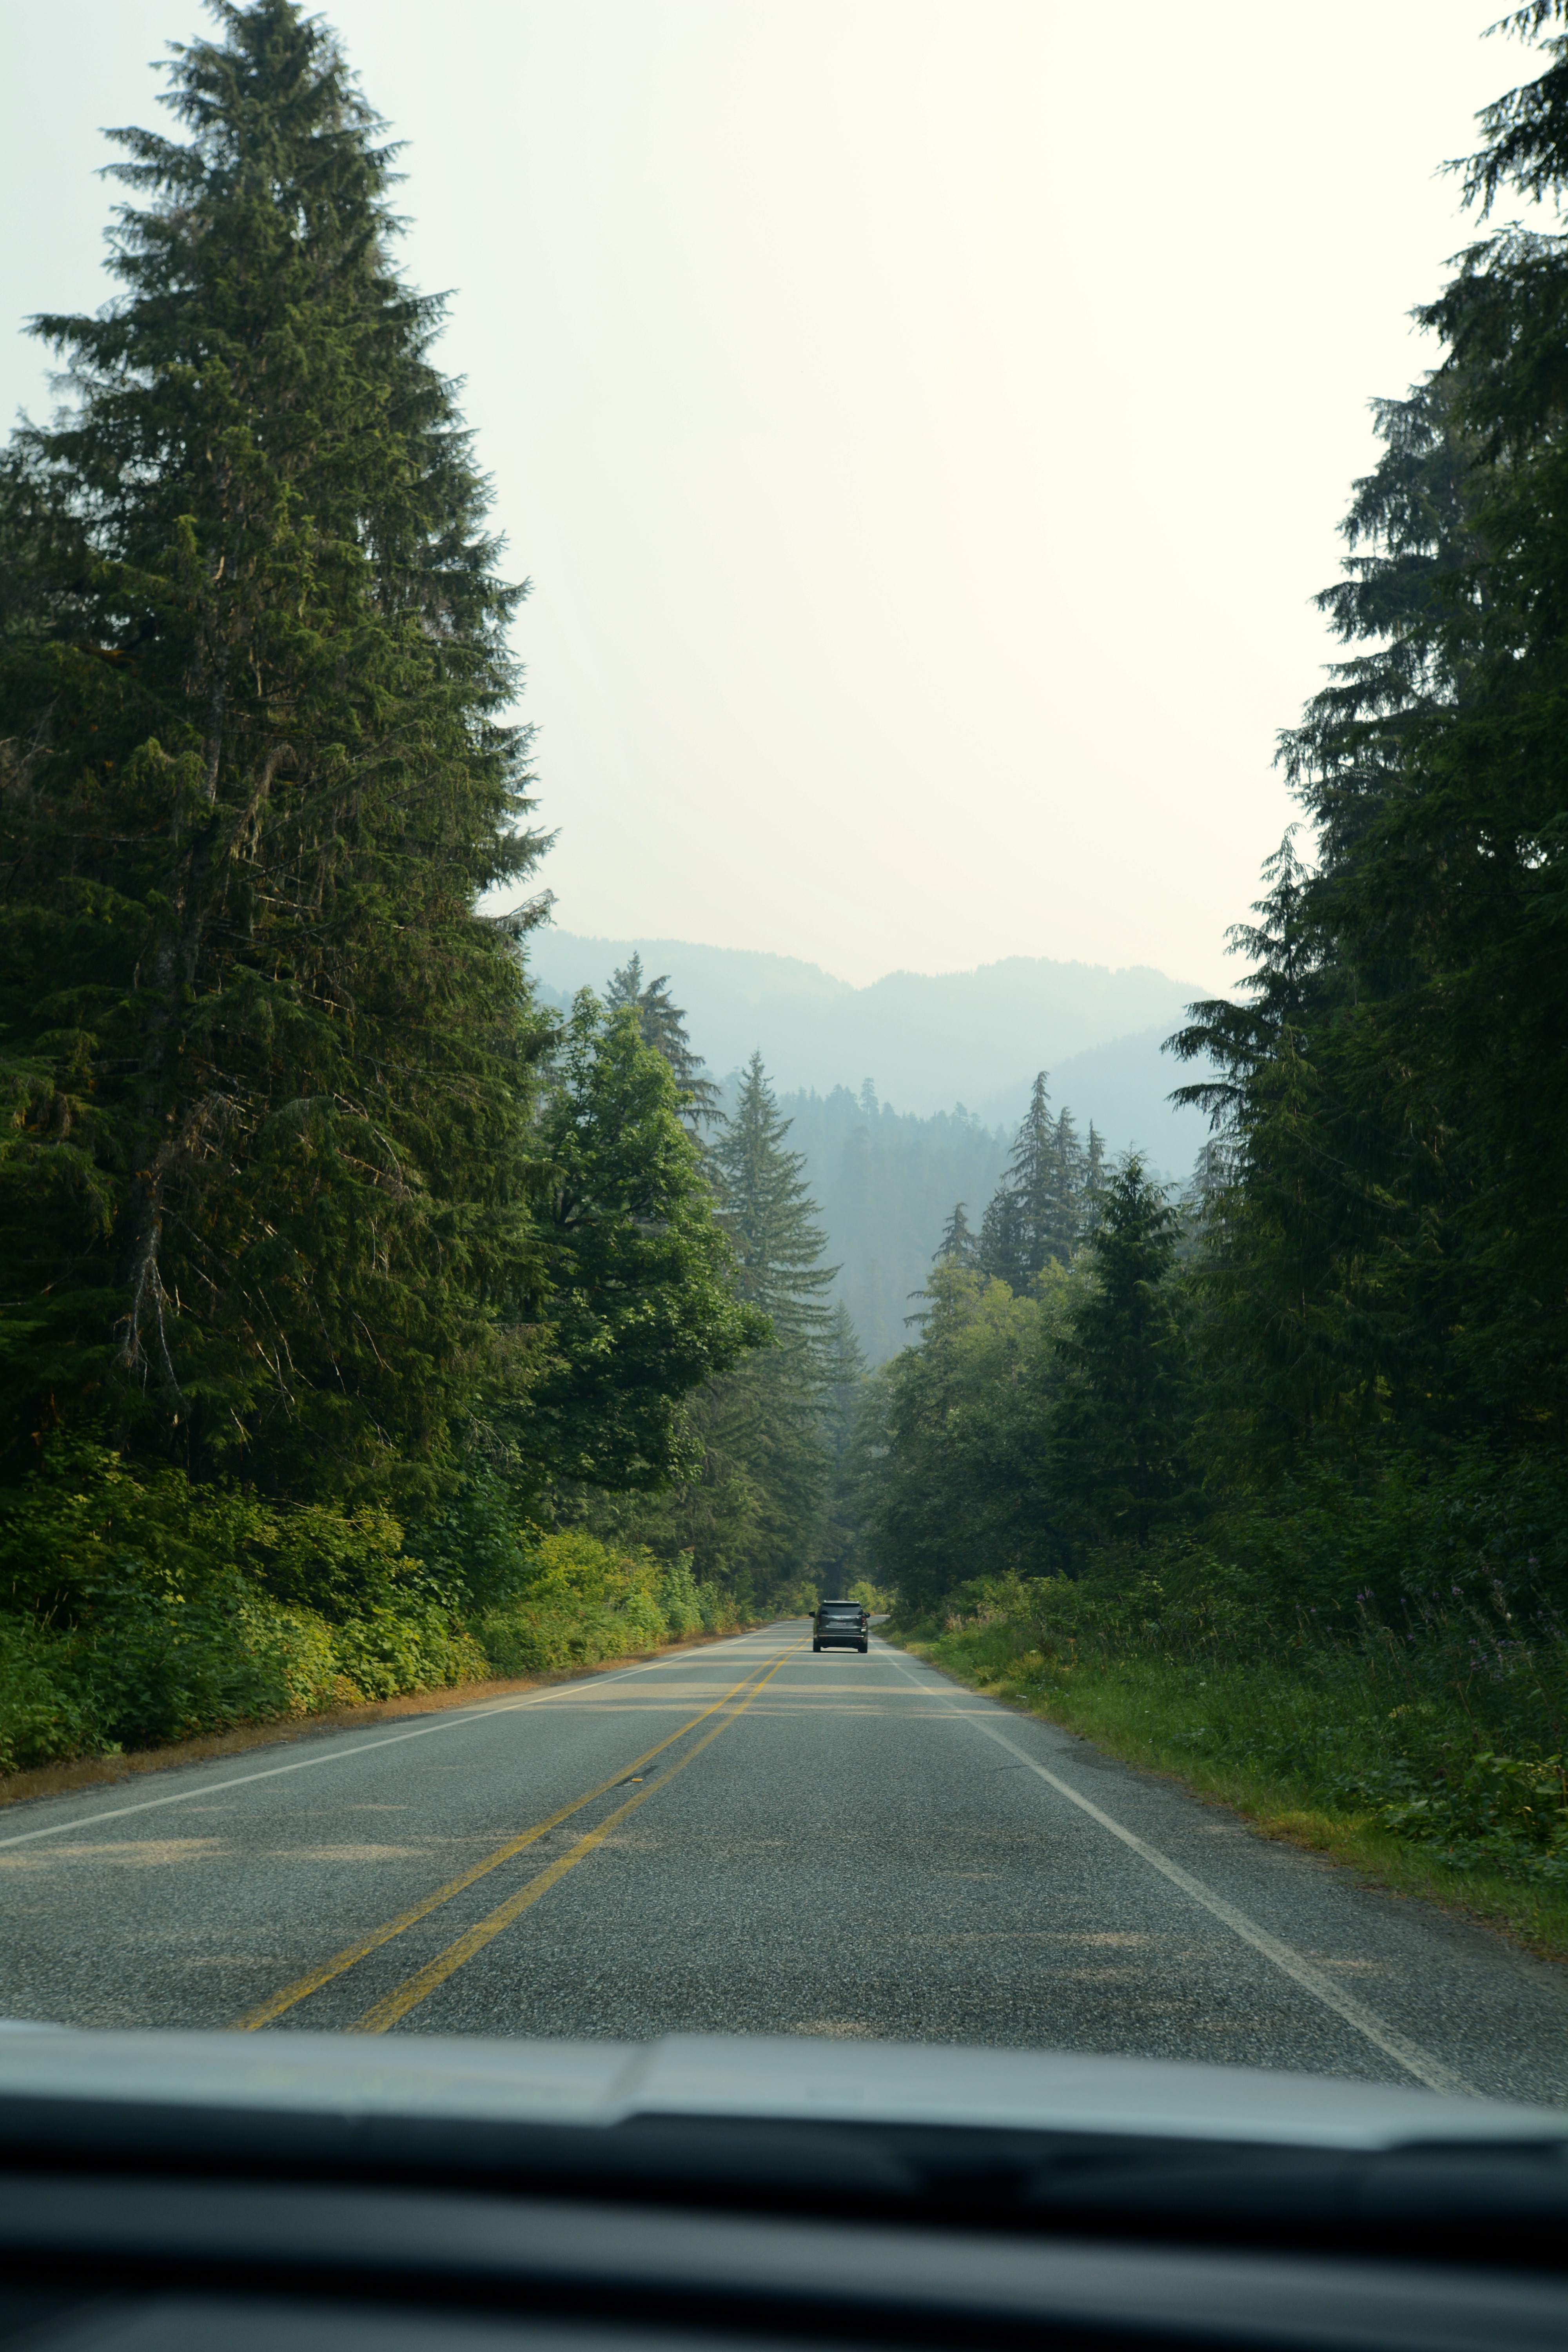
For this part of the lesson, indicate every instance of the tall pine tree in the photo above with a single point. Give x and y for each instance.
(662, 1024)
(1038, 1212)
(267, 1167)
(1389, 1255)
(778, 1393)
(1119, 1421)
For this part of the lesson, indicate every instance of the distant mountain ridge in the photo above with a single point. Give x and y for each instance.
(927, 1041)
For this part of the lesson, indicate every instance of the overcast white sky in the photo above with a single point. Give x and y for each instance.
(924, 422)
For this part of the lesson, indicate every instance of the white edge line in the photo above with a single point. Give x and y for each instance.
(456, 1719)
(1394, 2044)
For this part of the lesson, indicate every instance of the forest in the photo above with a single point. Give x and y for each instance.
(368, 1323)
(372, 1320)
(1267, 1484)
(884, 1182)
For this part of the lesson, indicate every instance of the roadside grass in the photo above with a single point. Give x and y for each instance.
(1220, 1729)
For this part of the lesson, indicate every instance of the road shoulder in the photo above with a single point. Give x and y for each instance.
(1529, 1920)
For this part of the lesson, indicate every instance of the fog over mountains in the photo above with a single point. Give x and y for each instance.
(905, 1095)
(927, 1042)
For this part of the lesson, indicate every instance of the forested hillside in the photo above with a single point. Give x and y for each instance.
(885, 1183)
(928, 1041)
(1272, 1483)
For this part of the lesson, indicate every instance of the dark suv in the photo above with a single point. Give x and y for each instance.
(840, 1625)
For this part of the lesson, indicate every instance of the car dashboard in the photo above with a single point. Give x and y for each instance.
(155, 2224)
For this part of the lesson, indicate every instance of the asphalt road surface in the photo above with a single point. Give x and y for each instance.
(746, 1838)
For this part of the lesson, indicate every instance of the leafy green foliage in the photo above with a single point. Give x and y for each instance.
(949, 1455)
(586, 1601)
(751, 1511)
(139, 1609)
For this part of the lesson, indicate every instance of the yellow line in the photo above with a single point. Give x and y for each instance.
(276, 2003)
(413, 1989)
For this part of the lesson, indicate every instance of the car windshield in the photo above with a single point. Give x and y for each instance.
(749, 1289)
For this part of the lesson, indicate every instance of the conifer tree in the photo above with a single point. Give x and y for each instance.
(1388, 1257)
(772, 1218)
(771, 1222)
(959, 1244)
(1001, 1252)
(269, 1067)
(634, 1281)
(1063, 1223)
(1036, 1214)
(662, 1024)
(837, 1559)
(1119, 1422)
(1035, 1177)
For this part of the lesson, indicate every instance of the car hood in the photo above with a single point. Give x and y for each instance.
(787, 2076)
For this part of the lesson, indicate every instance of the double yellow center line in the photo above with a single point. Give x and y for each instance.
(407, 1995)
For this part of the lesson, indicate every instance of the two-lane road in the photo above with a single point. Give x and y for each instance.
(745, 1838)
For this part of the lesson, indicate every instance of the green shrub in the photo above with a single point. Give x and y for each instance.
(386, 1651)
(721, 1612)
(680, 1598)
(137, 1608)
(585, 1602)
(43, 1712)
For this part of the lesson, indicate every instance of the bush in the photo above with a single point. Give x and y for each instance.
(142, 1608)
(585, 1601)
(43, 1712)
(680, 1598)
(137, 1608)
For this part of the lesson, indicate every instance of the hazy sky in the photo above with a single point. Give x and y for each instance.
(924, 422)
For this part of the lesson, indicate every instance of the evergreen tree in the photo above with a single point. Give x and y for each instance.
(1062, 1225)
(634, 1281)
(1389, 1258)
(1120, 1420)
(269, 1069)
(838, 1550)
(1093, 1167)
(1036, 1213)
(1034, 1178)
(1001, 1252)
(662, 1024)
(958, 1244)
(770, 1219)
(943, 1469)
